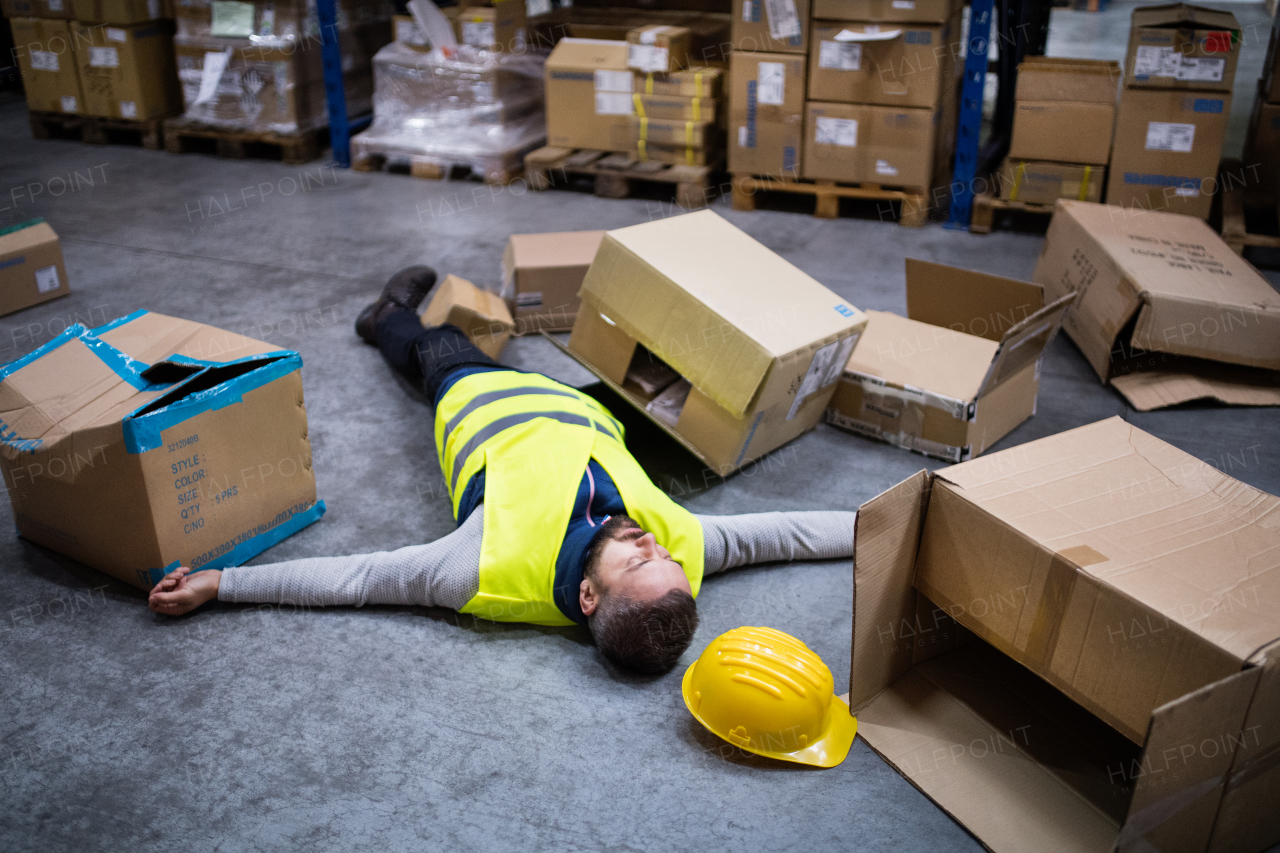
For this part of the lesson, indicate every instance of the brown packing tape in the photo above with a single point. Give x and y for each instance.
(1059, 583)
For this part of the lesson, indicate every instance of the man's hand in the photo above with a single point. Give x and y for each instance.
(180, 591)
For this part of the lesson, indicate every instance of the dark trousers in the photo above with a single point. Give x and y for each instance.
(429, 355)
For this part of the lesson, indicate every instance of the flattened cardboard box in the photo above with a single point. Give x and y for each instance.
(1038, 182)
(771, 27)
(31, 268)
(750, 345)
(766, 113)
(1162, 298)
(1124, 692)
(541, 276)
(957, 373)
(905, 66)
(1180, 46)
(588, 95)
(1168, 146)
(152, 442)
(48, 64)
(482, 315)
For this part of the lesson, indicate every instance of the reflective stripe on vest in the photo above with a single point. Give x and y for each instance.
(533, 438)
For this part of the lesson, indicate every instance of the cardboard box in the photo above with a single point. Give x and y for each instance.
(152, 442)
(1162, 298)
(750, 347)
(48, 65)
(658, 48)
(588, 93)
(766, 114)
(407, 32)
(541, 276)
(482, 315)
(957, 373)
(499, 27)
(698, 82)
(121, 11)
(31, 268)
(128, 71)
(909, 66)
(1122, 571)
(57, 9)
(675, 133)
(1053, 94)
(675, 108)
(1038, 182)
(1262, 151)
(781, 27)
(859, 142)
(1179, 46)
(1167, 148)
(885, 11)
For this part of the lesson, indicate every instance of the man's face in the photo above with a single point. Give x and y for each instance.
(633, 565)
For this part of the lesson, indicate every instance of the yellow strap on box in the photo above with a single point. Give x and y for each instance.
(1017, 180)
(688, 156)
(648, 83)
(640, 149)
(697, 82)
(688, 133)
(644, 129)
(639, 104)
(1084, 183)
(697, 108)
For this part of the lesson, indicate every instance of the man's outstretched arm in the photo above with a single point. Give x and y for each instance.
(444, 573)
(768, 537)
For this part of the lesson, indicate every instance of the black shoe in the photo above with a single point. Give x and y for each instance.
(406, 289)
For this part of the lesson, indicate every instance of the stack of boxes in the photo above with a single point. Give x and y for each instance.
(640, 95)
(257, 66)
(1262, 146)
(103, 58)
(865, 92)
(478, 105)
(1174, 109)
(1064, 113)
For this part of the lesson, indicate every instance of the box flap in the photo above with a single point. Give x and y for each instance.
(998, 764)
(1043, 78)
(26, 235)
(712, 302)
(886, 537)
(1182, 15)
(971, 302)
(575, 54)
(557, 249)
(920, 355)
(1179, 783)
(1141, 516)
(1156, 389)
(1024, 343)
(150, 337)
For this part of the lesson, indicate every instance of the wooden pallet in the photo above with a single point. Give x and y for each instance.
(184, 136)
(97, 130)
(426, 167)
(985, 207)
(827, 194)
(616, 175)
(1235, 231)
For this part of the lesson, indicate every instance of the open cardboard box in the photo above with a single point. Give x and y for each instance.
(726, 346)
(957, 373)
(1167, 312)
(152, 442)
(1139, 589)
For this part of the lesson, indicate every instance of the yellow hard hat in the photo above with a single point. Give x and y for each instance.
(765, 692)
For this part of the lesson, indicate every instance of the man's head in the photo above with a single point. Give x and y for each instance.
(637, 600)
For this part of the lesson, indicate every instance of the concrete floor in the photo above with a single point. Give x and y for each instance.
(255, 728)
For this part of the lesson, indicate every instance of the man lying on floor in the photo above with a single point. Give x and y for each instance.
(572, 530)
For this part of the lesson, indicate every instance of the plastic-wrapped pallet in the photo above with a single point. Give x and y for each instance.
(258, 66)
(456, 107)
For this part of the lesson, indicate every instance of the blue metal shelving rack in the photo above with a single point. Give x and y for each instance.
(970, 124)
(341, 126)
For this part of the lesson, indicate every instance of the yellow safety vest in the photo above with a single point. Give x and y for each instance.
(533, 438)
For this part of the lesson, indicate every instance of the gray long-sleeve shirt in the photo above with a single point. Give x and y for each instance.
(446, 572)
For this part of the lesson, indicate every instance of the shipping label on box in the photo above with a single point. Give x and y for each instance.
(151, 442)
(31, 267)
(775, 26)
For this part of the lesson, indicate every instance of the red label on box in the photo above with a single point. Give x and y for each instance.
(1218, 42)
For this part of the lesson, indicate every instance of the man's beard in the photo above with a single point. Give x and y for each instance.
(618, 528)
